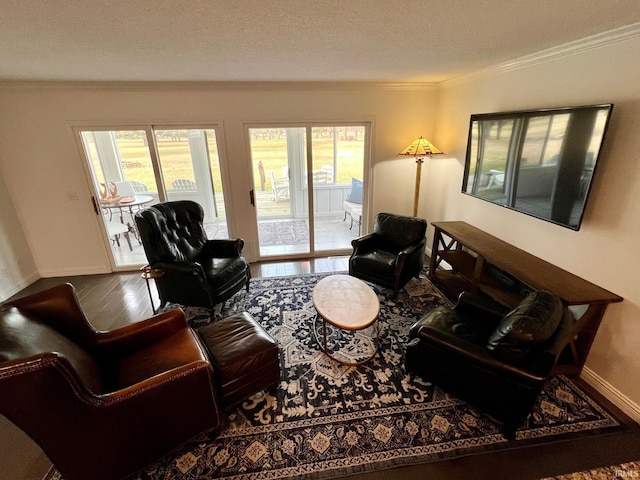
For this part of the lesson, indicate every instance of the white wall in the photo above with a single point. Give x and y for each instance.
(43, 167)
(604, 251)
(17, 268)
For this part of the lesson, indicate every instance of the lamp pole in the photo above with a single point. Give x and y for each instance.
(416, 196)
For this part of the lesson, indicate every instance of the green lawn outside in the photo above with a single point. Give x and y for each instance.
(175, 158)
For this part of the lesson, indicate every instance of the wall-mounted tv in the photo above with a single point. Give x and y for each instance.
(538, 162)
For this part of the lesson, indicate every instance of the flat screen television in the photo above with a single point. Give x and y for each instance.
(538, 162)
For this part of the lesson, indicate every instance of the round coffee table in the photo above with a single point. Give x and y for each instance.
(349, 305)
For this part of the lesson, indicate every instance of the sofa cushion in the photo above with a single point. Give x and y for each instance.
(531, 323)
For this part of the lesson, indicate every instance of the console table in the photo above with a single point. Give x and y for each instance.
(483, 264)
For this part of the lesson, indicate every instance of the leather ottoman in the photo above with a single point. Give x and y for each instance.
(244, 357)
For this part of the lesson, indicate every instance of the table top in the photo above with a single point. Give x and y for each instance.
(137, 200)
(527, 268)
(346, 302)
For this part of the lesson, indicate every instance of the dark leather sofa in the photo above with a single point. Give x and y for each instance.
(196, 271)
(392, 254)
(496, 360)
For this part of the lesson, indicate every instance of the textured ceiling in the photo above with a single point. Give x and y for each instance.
(287, 40)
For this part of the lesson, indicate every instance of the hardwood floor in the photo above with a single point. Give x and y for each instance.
(117, 299)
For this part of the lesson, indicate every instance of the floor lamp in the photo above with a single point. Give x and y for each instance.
(419, 149)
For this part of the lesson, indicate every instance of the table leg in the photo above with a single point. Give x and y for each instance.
(324, 333)
(325, 348)
(153, 308)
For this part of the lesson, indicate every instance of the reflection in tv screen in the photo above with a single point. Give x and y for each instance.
(538, 162)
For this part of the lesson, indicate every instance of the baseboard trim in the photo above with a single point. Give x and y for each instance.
(70, 272)
(616, 397)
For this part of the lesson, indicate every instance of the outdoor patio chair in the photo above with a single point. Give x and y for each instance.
(353, 204)
(184, 184)
(279, 186)
(138, 187)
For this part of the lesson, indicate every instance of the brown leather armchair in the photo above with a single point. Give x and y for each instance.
(392, 254)
(497, 360)
(102, 404)
(198, 272)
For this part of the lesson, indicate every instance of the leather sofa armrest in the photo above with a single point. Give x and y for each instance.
(223, 248)
(475, 305)
(140, 334)
(477, 355)
(60, 308)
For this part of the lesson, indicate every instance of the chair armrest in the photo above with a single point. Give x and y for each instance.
(361, 243)
(412, 249)
(140, 334)
(193, 268)
(223, 248)
(546, 359)
(363, 239)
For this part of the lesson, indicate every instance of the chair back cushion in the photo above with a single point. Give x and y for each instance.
(24, 337)
(399, 231)
(529, 325)
(172, 231)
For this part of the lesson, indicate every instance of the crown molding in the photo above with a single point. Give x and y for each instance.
(586, 44)
(217, 86)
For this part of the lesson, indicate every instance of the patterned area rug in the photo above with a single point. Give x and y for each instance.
(287, 232)
(271, 234)
(331, 420)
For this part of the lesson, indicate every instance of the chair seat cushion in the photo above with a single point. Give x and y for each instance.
(453, 323)
(222, 271)
(177, 350)
(244, 356)
(377, 263)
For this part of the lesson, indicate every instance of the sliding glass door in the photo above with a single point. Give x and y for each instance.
(303, 175)
(130, 169)
(282, 221)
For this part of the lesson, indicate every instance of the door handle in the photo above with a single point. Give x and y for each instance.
(252, 197)
(95, 205)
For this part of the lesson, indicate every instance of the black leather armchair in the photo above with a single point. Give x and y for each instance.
(197, 271)
(496, 360)
(392, 254)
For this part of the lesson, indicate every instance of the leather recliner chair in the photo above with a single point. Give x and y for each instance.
(496, 360)
(392, 254)
(102, 405)
(195, 271)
